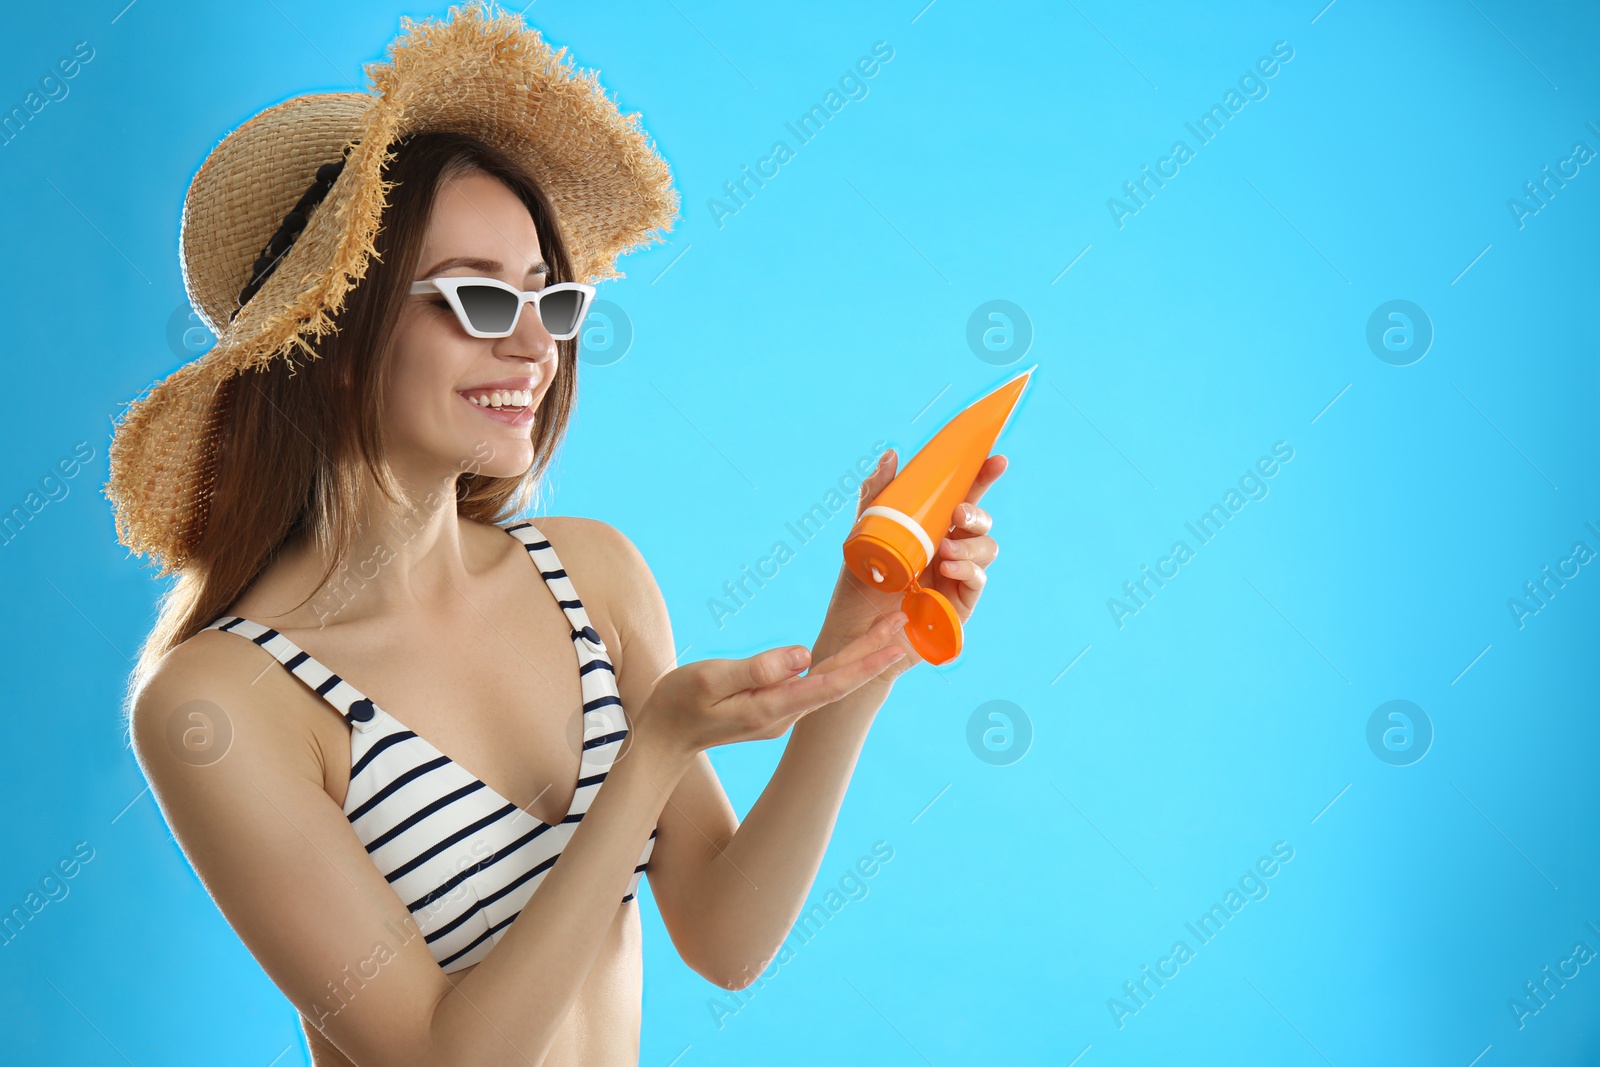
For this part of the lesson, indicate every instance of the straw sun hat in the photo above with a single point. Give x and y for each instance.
(479, 72)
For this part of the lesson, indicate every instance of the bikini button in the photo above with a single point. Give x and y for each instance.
(361, 710)
(589, 634)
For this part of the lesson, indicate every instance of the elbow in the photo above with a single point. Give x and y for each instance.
(729, 980)
(716, 972)
(731, 974)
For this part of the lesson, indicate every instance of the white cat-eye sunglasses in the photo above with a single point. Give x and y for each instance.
(488, 307)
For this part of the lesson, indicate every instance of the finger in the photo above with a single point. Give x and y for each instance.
(988, 474)
(971, 576)
(791, 700)
(982, 550)
(779, 665)
(792, 707)
(963, 570)
(768, 668)
(878, 634)
(969, 520)
(847, 677)
(891, 660)
(881, 476)
(798, 695)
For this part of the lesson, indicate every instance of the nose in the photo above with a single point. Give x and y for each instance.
(530, 340)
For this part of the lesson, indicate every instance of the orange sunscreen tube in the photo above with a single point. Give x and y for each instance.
(895, 538)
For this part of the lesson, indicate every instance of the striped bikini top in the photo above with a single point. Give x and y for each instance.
(462, 858)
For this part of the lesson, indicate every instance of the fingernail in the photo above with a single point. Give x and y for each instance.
(898, 624)
(795, 659)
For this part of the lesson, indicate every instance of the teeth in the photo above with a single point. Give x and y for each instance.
(503, 398)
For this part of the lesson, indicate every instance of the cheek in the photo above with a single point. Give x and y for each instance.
(420, 390)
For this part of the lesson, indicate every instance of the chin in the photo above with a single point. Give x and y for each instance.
(497, 459)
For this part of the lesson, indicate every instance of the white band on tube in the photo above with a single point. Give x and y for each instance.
(908, 522)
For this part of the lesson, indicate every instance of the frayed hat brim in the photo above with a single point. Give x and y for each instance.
(479, 72)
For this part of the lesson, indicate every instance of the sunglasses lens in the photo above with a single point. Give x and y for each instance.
(559, 312)
(490, 310)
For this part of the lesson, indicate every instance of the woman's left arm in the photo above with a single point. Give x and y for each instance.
(730, 892)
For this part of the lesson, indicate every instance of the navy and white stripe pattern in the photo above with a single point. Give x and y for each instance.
(463, 858)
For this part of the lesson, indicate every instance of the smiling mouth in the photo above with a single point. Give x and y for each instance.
(501, 399)
(509, 407)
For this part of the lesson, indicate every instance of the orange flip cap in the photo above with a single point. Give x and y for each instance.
(895, 538)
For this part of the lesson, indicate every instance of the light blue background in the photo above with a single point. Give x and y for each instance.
(770, 352)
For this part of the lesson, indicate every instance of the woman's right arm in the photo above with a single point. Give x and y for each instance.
(294, 881)
(280, 859)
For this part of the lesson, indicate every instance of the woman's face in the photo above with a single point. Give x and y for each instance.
(439, 374)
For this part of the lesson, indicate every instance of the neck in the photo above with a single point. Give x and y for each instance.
(411, 558)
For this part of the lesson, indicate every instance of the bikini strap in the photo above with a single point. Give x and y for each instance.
(604, 719)
(555, 576)
(359, 712)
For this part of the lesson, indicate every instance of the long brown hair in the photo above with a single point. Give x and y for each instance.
(297, 436)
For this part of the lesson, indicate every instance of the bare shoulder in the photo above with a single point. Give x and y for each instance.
(206, 696)
(600, 556)
(607, 568)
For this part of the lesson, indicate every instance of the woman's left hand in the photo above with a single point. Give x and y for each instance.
(957, 569)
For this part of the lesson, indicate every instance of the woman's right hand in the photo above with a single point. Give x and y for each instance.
(723, 701)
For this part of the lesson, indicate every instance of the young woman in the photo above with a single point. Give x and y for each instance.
(376, 710)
